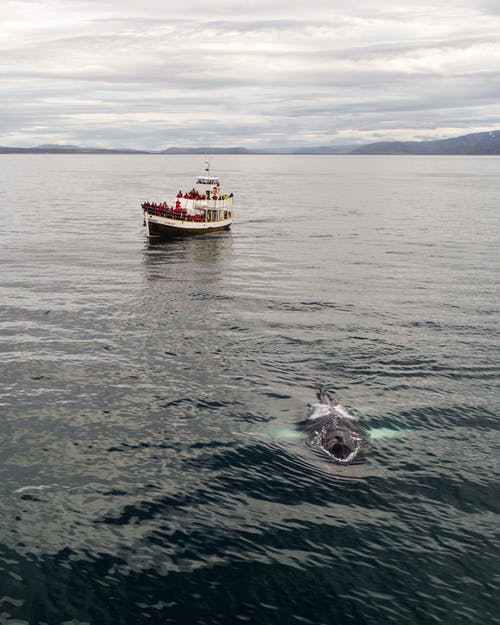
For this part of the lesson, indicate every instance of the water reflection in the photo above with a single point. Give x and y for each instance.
(194, 256)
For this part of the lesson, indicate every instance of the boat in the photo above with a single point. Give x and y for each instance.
(206, 208)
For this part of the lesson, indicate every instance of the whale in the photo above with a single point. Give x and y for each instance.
(333, 432)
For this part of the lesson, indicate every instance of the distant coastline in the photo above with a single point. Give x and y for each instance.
(481, 143)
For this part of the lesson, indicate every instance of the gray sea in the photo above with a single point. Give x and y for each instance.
(151, 468)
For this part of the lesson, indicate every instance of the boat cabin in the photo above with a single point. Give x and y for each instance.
(210, 181)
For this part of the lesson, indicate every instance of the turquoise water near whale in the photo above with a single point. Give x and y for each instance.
(150, 468)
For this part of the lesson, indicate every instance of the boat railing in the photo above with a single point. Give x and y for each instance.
(189, 203)
(181, 214)
(222, 204)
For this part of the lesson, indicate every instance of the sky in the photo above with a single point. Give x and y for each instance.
(151, 74)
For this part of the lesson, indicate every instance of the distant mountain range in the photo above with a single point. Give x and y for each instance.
(67, 149)
(180, 150)
(476, 143)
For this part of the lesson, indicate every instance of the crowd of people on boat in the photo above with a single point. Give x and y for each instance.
(164, 210)
(194, 194)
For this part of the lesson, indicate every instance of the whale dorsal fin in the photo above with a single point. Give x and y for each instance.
(325, 397)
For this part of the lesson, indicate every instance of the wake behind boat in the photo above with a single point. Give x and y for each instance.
(204, 209)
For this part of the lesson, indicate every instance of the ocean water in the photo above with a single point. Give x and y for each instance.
(151, 469)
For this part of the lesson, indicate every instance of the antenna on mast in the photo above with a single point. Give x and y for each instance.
(207, 166)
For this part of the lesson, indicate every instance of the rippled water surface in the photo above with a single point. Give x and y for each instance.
(151, 467)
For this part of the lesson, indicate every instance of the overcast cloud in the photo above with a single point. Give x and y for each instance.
(158, 73)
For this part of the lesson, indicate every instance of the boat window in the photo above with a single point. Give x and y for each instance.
(212, 181)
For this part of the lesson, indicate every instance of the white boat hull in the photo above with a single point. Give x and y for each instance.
(167, 227)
